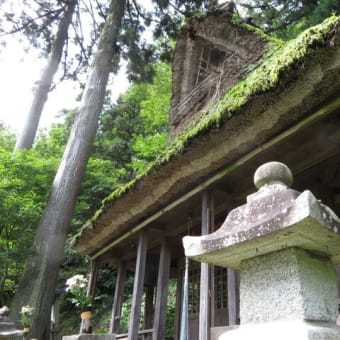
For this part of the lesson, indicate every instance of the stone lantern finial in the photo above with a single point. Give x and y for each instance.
(273, 173)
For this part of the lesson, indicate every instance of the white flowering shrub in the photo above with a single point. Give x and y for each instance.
(26, 313)
(77, 287)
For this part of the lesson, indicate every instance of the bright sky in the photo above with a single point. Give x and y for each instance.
(18, 73)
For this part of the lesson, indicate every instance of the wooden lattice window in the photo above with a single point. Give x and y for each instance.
(194, 290)
(210, 60)
(221, 287)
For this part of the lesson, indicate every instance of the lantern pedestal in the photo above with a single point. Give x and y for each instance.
(90, 337)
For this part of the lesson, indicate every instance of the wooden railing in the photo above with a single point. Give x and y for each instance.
(145, 334)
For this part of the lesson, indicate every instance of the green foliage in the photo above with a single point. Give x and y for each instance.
(7, 138)
(133, 131)
(154, 112)
(171, 310)
(286, 19)
(26, 314)
(25, 181)
(101, 176)
(125, 315)
(118, 124)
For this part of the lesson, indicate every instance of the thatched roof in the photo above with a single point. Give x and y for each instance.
(291, 82)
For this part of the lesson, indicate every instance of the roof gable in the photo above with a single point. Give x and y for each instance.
(211, 55)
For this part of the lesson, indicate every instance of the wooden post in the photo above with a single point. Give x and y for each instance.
(138, 286)
(118, 299)
(212, 295)
(148, 309)
(162, 291)
(55, 318)
(91, 287)
(233, 297)
(338, 272)
(93, 278)
(179, 293)
(204, 316)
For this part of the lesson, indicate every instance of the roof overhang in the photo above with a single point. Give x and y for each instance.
(298, 102)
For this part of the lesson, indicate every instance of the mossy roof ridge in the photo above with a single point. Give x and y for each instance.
(265, 76)
(234, 19)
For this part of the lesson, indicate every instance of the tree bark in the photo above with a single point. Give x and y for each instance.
(29, 130)
(38, 283)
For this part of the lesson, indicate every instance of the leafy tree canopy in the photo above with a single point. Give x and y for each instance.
(287, 18)
(24, 185)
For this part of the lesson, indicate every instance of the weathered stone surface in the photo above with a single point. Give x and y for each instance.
(272, 173)
(291, 283)
(274, 218)
(284, 330)
(90, 337)
(7, 328)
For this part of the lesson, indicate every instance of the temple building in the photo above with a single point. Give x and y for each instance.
(240, 99)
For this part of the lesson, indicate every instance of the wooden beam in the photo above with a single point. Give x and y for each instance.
(118, 298)
(138, 286)
(162, 291)
(233, 297)
(204, 315)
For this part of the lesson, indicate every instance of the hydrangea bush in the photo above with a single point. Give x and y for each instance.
(26, 313)
(77, 287)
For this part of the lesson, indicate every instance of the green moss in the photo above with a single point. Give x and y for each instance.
(260, 78)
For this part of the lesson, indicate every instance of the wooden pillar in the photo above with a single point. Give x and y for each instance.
(338, 272)
(162, 291)
(212, 295)
(179, 294)
(233, 296)
(55, 318)
(148, 309)
(138, 286)
(205, 305)
(118, 299)
(91, 287)
(93, 278)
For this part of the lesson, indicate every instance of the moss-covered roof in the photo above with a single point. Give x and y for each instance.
(276, 70)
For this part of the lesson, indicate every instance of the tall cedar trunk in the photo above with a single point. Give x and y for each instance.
(29, 130)
(38, 283)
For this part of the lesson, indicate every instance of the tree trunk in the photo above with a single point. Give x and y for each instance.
(39, 279)
(29, 130)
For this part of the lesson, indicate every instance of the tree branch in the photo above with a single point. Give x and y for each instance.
(56, 14)
(139, 12)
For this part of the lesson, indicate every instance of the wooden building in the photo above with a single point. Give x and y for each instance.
(239, 100)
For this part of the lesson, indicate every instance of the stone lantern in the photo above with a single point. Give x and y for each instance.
(286, 245)
(7, 328)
